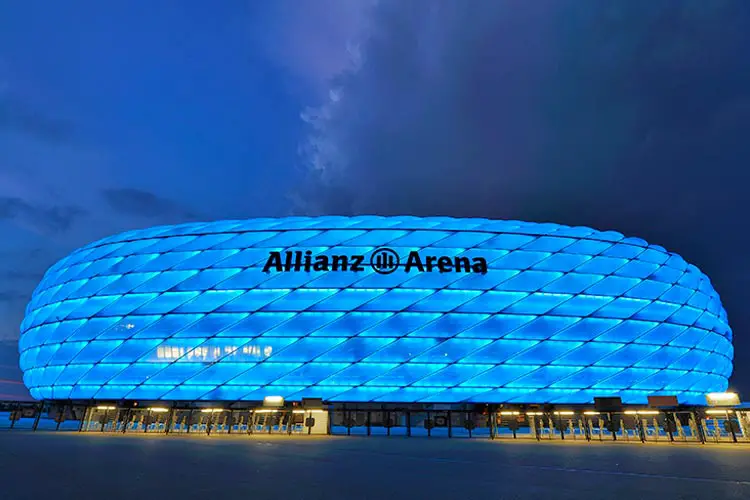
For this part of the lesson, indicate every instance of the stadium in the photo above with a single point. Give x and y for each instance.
(369, 311)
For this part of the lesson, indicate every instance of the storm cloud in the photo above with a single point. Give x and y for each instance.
(541, 111)
(140, 203)
(48, 219)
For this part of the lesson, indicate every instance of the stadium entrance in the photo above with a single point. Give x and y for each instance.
(205, 421)
(576, 423)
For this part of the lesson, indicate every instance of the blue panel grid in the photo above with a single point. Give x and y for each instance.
(562, 314)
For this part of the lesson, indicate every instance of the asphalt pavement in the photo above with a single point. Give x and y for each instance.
(100, 466)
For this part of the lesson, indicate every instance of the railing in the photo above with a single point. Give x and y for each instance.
(698, 426)
(110, 418)
(705, 426)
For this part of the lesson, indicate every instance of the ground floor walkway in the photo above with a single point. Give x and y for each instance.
(707, 426)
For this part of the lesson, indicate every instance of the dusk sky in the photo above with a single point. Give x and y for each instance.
(629, 115)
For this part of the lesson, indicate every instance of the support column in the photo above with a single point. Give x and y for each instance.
(83, 417)
(14, 415)
(168, 422)
(38, 416)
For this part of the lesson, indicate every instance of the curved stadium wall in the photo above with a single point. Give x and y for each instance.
(210, 312)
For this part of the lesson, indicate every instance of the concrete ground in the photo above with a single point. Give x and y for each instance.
(99, 466)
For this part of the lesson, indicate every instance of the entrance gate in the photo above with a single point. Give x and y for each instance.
(427, 423)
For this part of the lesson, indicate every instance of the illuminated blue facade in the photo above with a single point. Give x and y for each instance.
(562, 314)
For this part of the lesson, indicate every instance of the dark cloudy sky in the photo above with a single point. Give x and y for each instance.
(628, 114)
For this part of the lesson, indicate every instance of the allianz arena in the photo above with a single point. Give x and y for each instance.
(472, 311)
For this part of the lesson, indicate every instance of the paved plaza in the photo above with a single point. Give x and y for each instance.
(82, 466)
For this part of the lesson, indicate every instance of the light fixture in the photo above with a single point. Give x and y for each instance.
(159, 410)
(719, 412)
(509, 413)
(722, 399)
(212, 410)
(106, 407)
(273, 401)
(564, 413)
(642, 412)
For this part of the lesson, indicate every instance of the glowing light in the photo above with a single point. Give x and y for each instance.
(106, 407)
(312, 326)
(273, 401)
(719, 412)
(212, 410)
(565, 413)
(722, 399)
(202, 353)
(159, 410)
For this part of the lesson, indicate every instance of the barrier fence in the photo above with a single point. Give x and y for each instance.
(702, 425)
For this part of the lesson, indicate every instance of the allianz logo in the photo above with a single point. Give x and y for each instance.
(382, 260)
